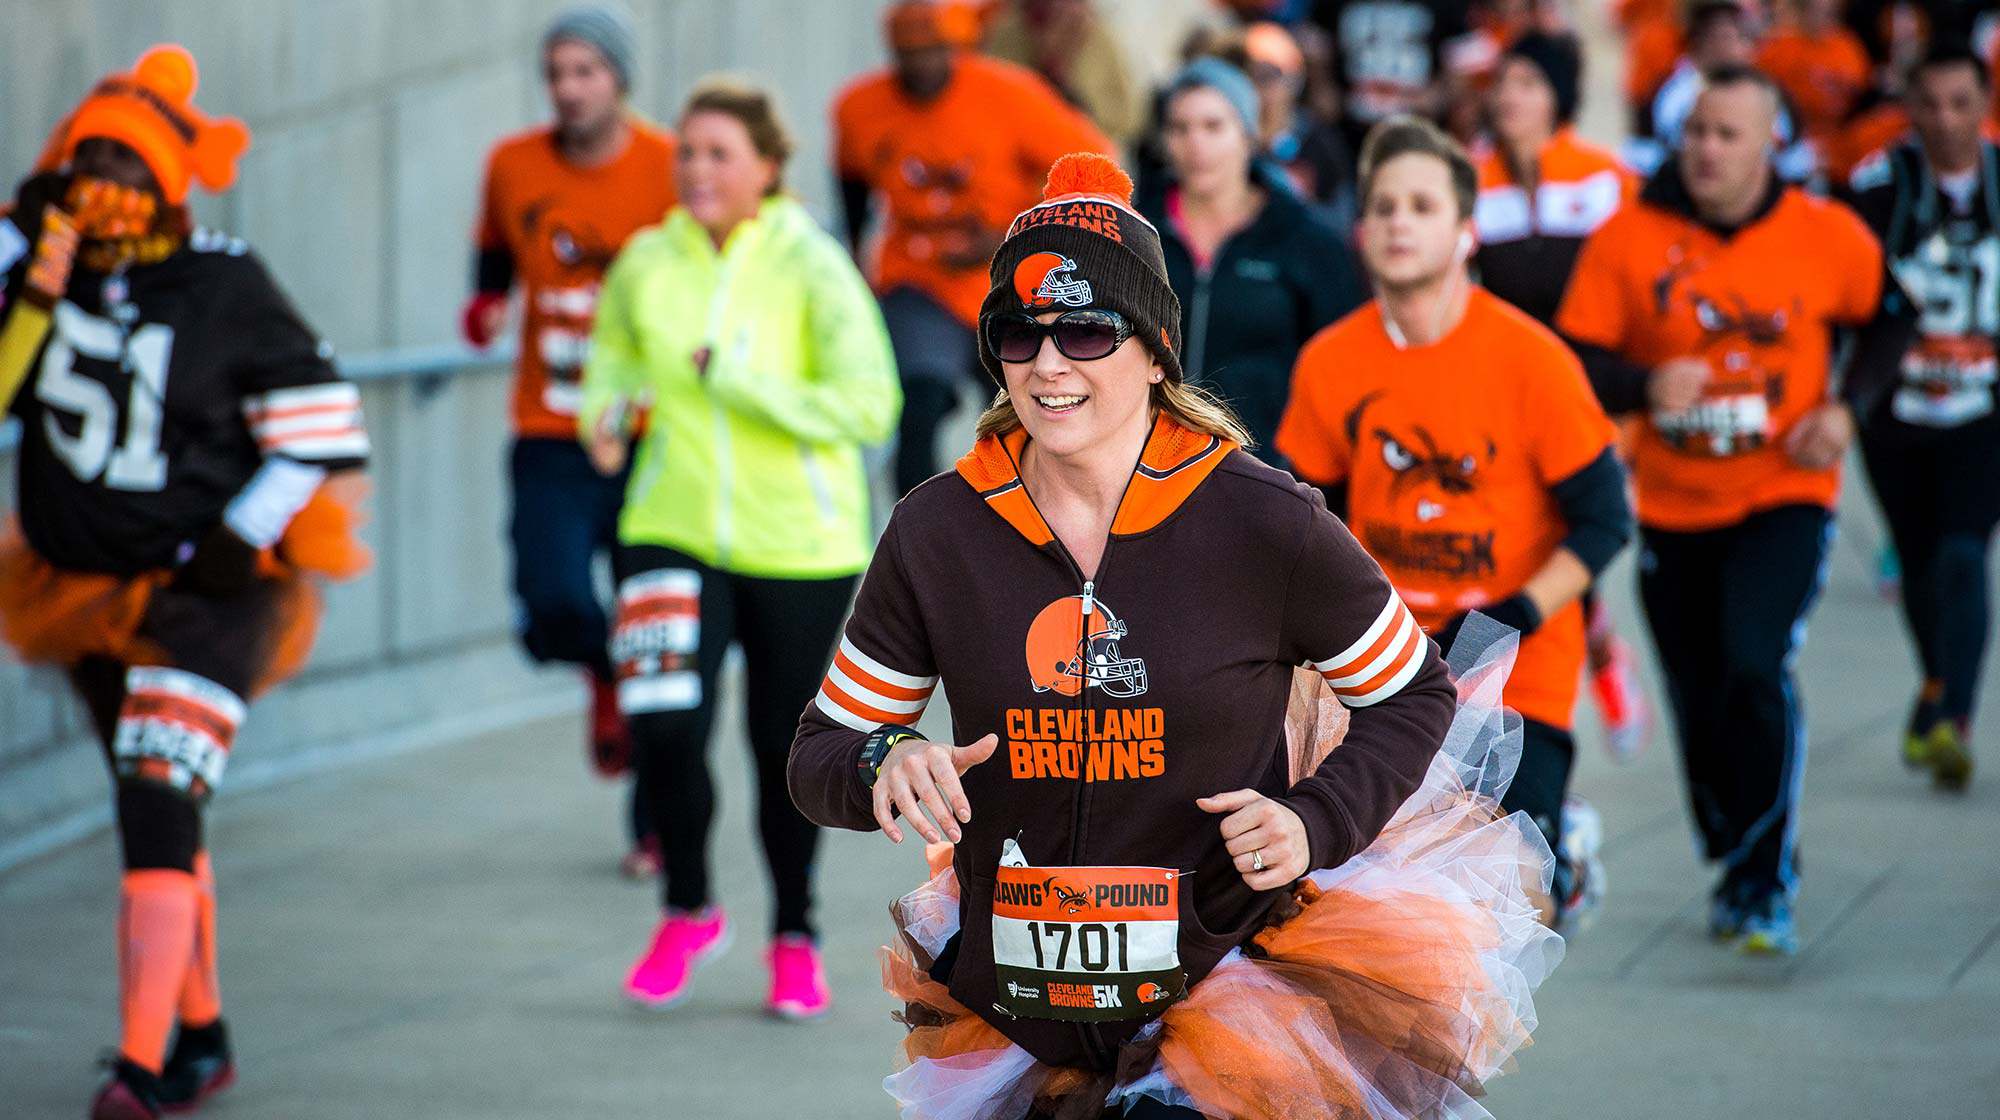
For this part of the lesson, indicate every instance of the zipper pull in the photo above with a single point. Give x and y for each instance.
(1089, 597)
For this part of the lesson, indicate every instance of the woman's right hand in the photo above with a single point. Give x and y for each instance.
(1677, 384)
(609, 443)
(918, 777)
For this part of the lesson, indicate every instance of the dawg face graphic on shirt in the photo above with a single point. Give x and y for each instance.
(1748, 349)
(564, 310)
(567, 235)
(1429, 478)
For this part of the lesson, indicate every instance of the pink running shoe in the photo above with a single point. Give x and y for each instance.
(660, 977)
(798, 983)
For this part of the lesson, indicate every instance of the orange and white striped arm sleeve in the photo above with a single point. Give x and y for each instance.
(862, 693)
(1376, 665)
(1344, 619)
(309, 423)
(882, 672)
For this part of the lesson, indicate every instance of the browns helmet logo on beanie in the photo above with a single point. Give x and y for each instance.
(1083, 245)
(1045, 279)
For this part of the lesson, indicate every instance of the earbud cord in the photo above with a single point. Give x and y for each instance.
(1396, 337)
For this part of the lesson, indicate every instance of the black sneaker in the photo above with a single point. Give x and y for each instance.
(133, 1093)
(200, 1067)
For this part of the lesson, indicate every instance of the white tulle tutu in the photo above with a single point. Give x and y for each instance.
(1391, 987)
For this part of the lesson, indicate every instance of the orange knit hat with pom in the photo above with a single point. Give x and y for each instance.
(151, 110)
(1083, 245)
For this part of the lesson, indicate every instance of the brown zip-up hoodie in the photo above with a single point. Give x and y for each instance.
(1221, 576)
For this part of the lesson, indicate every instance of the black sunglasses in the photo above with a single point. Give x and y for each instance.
(1081, 336)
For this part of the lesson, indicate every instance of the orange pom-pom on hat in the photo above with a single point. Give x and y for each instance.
(151, 110)
(1083, 245)
(1087, 174)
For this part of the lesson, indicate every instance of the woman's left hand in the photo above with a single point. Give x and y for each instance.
(1258, 831)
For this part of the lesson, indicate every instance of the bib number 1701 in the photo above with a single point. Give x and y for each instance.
(1092, 941)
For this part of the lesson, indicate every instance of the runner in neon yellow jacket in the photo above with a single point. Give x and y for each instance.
(766, 368)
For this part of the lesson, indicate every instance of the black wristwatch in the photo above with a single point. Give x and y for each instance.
(876, 748)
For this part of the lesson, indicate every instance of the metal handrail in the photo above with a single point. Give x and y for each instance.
(412, 362)
(439, 360)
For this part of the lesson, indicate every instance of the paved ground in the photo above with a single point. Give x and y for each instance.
(439, 935)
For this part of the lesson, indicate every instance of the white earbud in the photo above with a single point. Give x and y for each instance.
(1464, 244)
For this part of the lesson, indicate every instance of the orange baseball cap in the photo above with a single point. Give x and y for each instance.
(915, 24)
(1271, 44)
(151, 110)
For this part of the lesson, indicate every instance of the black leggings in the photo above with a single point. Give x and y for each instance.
(159, 828)
(1548, 753)
(1727, 609)
(217, 641)
(676, 619)
(1940, 494)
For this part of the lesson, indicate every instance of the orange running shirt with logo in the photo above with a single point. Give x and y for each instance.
(563, 224)
(953, 171)
(1759, 307)
(1449, 452)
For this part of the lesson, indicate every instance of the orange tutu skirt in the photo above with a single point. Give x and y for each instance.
(1393, 986)
(53, 616)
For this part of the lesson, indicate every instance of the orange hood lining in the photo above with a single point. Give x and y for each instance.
(1175, 462)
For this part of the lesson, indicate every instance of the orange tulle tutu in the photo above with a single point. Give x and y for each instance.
(1393, 986)
(53, 616)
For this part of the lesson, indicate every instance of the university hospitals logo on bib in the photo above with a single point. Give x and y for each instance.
(1085, 944)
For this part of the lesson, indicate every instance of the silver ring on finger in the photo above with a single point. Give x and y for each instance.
(1257, 860)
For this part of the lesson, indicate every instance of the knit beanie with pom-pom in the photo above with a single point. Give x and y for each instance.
(1083, 245)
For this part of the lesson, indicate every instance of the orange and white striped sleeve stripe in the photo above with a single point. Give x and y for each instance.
(1381, 661)
(862, 693)
(311, 423)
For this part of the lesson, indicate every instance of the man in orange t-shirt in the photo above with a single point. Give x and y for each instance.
(559, 202)
(1472, 460)
(949, 146)
(1821, 65)
(1709, 306)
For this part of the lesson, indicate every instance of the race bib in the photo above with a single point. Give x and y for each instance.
(1718, 426)
(563, 342)
(1946, 382)
(1086, 944)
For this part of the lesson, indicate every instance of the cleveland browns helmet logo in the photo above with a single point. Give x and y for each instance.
(1073, 645)
(1150, 992)
(1045, 279)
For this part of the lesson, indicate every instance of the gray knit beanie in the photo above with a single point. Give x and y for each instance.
(605, 28)
(1234, 85)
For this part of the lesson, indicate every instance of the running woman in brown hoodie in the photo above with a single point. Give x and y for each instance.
(1116, 597)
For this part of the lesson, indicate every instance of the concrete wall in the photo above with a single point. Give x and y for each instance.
(424, 636)
(371, 119)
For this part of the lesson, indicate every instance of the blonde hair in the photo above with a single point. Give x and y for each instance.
(1191, 406)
